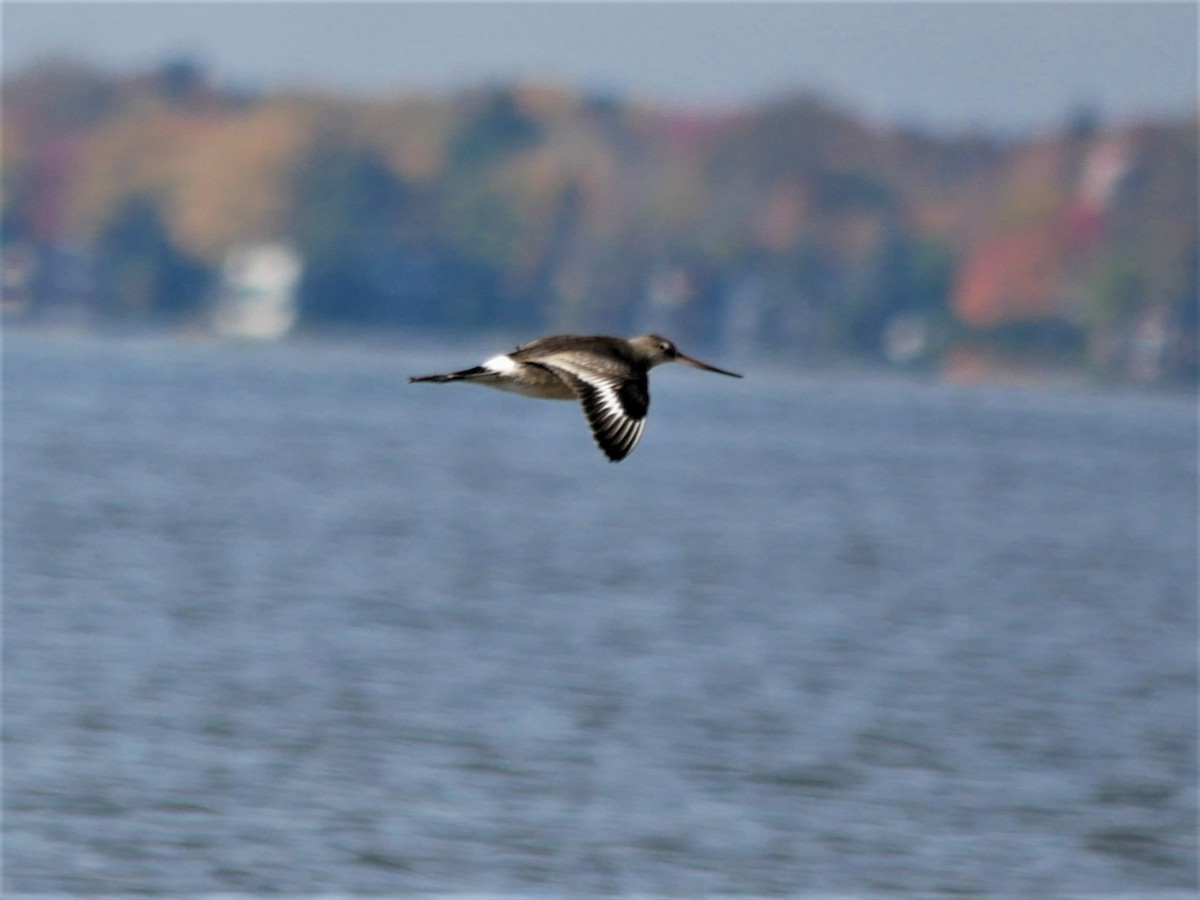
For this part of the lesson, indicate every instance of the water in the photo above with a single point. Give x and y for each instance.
(277, 621)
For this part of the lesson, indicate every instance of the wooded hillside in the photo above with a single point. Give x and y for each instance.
(793, 225)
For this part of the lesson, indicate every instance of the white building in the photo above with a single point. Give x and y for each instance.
(257, 296)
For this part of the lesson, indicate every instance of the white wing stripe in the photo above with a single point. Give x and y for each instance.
(604, 385)
(609, 400)
(614, 428)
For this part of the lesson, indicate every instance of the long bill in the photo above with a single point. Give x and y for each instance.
(705, 366)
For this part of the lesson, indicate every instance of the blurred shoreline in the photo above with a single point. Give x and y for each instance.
(792, 228)
(967, 366)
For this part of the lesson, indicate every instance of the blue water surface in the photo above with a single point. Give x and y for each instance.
(277, 621)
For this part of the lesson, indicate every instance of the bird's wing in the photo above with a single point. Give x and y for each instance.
(615, 407)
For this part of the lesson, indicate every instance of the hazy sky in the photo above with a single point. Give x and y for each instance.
(1000, 65)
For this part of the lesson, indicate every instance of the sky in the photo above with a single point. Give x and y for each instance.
(1003, 67)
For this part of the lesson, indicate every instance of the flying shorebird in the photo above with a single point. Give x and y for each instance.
(607, 375)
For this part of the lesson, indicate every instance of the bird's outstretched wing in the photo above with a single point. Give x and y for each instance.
(615, 406)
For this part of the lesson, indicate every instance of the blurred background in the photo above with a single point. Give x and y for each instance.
(960, 186)
(911, 609)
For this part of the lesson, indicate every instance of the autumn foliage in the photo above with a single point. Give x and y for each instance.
(791, 225)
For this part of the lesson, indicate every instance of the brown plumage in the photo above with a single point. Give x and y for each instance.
(607, 375)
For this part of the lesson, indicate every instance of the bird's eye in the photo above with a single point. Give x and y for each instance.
(665, 346)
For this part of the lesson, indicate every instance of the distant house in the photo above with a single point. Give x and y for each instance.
(257, 295)
(49, 282)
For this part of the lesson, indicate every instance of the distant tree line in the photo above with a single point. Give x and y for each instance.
(790, 225)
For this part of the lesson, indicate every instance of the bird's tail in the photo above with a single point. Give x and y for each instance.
(463, 375)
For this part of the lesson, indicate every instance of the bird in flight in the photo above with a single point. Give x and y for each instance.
(607, 375)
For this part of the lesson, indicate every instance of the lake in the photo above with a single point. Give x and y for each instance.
(277, 621)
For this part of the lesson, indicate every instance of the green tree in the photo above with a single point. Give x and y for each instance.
(496, 128)
(348, 207)
(141, 271)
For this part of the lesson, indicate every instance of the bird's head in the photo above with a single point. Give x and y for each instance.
(656, 350)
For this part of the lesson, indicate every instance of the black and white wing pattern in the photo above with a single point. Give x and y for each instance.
(615, 404)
